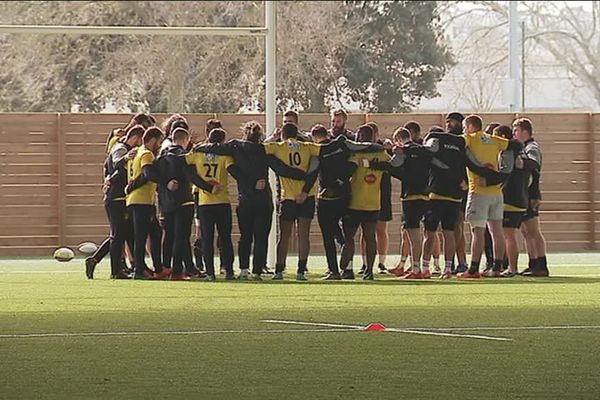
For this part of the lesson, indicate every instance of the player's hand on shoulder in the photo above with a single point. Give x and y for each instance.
(519, 164)
(173, 185)
(388, 144)
(261, 184)
(131, 154)
(301, 198)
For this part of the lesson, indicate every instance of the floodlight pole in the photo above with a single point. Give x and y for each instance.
(270, 109)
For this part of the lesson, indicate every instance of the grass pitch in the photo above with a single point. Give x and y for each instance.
(201, 340)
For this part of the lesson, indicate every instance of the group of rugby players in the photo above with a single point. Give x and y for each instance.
(490, 178)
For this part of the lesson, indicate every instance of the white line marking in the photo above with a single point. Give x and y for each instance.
(303, 323)
(140, 333)
(513, 328)
(399, 330)
(40, 272)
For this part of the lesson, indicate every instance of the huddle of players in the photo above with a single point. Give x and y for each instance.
(499, 192)
(350, 179)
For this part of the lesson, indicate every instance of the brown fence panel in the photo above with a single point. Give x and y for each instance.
(28, 184)
(51, 175)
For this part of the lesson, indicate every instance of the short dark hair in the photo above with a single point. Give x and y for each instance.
(364, 133)
(489, 128)
(414, 127)
(504, 131)
(373, 126)
(253, 131)
(289, 130)
(475, 121)
(141, 119)
(524, 124)
(180, 133)
(456, 116)
(217, 135)
(292, 114)
(211, 124)
(152, 132)
(173, 122)
(436, 128)
(319, 131)
(341, 112)
(135, 130)
(401, 133)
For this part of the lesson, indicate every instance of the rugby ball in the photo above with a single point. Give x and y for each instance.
(87, 248)
(64, 254)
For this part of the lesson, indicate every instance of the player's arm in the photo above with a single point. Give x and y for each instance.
(120, 156)
(358, 147)
(188, 165)
(243, 179)
(532, 159)
(491, 177)
(312, 174)
(225, 149)
(283, 170)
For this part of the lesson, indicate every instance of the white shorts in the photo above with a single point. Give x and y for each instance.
(482, 208)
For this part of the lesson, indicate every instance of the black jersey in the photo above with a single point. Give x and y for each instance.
(448, 184)
(532, 157)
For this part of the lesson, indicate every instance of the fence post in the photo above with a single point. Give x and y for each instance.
(592, 180)
(60, 203)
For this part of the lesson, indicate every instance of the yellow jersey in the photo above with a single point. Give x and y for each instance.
(212, 168)
(486, 149)
(295, 154)
(145, 193)
(111, 143)
(366, 182)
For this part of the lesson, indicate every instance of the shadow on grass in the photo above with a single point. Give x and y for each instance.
(425, 282)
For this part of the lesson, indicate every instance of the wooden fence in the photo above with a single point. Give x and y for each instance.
(51, 175)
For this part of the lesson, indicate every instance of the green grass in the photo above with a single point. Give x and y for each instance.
(41, 296)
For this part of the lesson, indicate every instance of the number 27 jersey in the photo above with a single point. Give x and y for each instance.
(212, 168)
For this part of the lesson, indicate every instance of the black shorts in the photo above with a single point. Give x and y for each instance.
(531, 213)
(358, 217)
(444, 211)
(513, 219)
(413, 212)
(289, 210)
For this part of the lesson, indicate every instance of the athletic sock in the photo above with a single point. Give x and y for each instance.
(416, 268)
(425, 266)
(279, 268)
(474, 268)
(382, 258)
(449, 267)
(302, 266)
(402, 262)
(498, 265)
(436, 262)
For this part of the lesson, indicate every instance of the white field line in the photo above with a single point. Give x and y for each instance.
(42, 272)
(399, 330)
(512, 328)
(142, 333)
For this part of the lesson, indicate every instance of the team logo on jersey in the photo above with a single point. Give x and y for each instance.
(210, 157)
(293, 146)
(370, 179)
